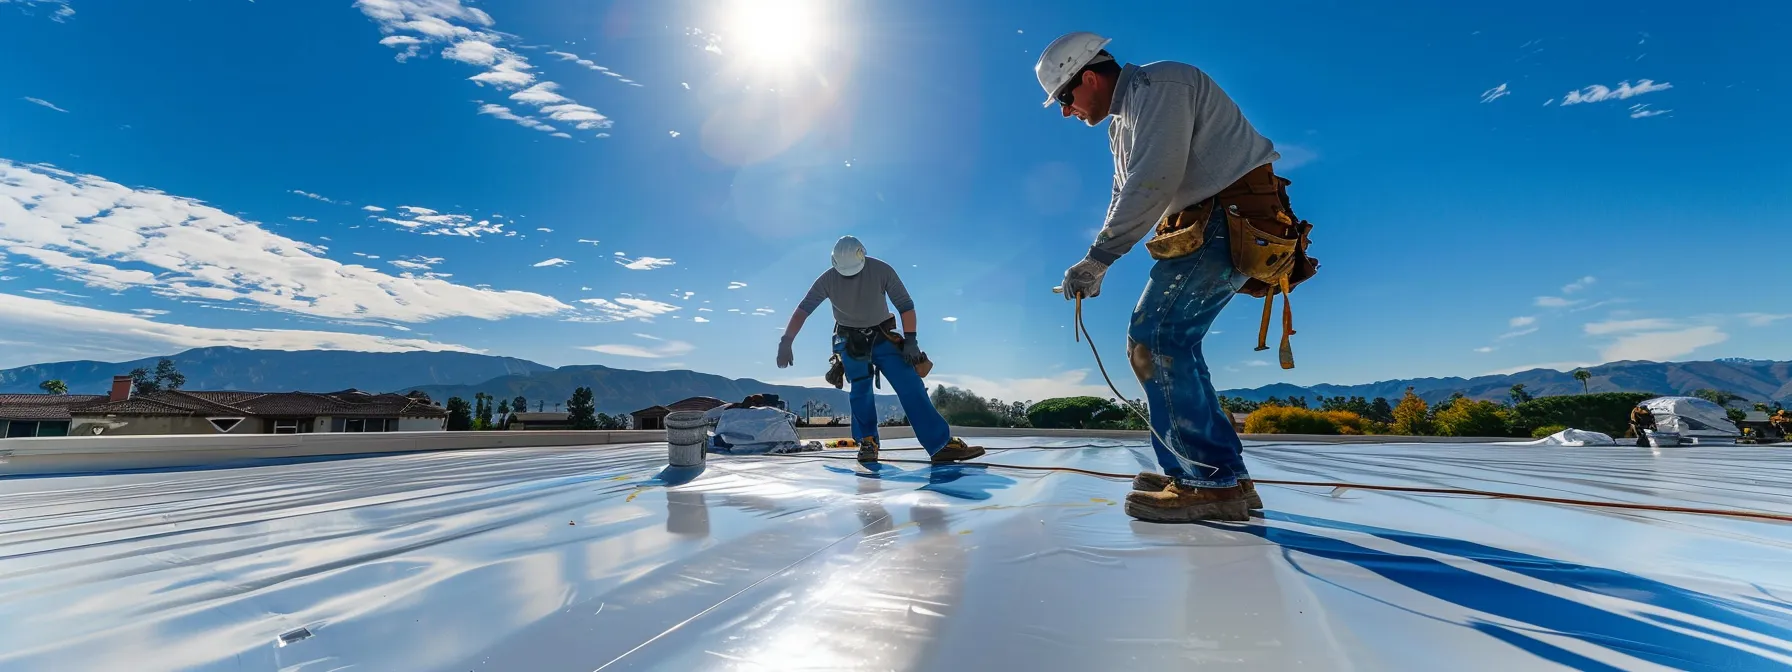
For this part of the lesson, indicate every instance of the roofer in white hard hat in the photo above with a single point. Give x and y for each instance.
(1181, 147)
(866, 345)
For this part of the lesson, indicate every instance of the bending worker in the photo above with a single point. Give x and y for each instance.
(1184, 155)
(1642, 421)
(866, 342)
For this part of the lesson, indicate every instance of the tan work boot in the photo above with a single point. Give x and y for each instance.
(956, 451)
(1148, 481)
(1180, 504)
(868, 449)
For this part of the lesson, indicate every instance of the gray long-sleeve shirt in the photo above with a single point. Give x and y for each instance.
(1177, 139)
(859, 300)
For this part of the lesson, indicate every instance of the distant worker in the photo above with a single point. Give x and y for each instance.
(866, 343)
(1782, 421)
(1642, 421)
(1187, 163)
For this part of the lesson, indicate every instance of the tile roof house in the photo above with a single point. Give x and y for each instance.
(225, 412)
(654, 417)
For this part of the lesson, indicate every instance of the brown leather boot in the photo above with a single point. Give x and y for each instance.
(956, 451)
(1180, 504)
(1148, 481)
(868, 449)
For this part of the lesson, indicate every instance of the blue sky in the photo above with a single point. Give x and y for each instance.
(655, 184)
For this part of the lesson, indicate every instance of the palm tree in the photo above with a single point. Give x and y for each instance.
(53, 387)
(1582, 376)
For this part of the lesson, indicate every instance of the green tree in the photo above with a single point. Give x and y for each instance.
(1605, 412)
(141, 383)
(504, 412)
(1380, 411)
(485, 411)
(964, 408)
(460, 415)
(1238, 404)
(1469, 417)
(1518, 395)
(1583, 376)
(1069, 412)
(53, 387)
(581, 409)
(168, 377)
(1719, 397)
(1411, 416)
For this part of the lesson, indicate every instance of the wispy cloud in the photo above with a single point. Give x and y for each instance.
(302, 219)
(737, 285)
(644, 263)
(1618, 326)
(61, 14)
(1642, 111)
(586, 63)
(588, 240)
(1763, 319)
(45, 103)
(1554, 302)
(50, 324)
(1515, 333)
(1255, 363)
(1521, 321)
(315, 197)
(373, 208)
(1484, 349)
(104, 234)
(1663, 345)
(624, 308)
(1578, 285)
(700, 319)
(948, 319)
(432, 223)
(1552, 366)
(661, 351)
(544, 230)
(1600, 93)
(556, 261)
(470, 39)
(1495, 93)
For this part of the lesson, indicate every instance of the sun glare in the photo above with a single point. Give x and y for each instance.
(773, 30)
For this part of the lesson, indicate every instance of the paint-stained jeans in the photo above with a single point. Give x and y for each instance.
(1180, 302)
(930, 429)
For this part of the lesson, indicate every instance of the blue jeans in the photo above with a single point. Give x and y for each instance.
(1180, 302)
(930, 429)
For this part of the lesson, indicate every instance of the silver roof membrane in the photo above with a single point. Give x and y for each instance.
(601, 558)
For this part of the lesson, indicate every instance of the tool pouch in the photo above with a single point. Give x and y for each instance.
(836, 375)
(1181, 233)
(1269, 246)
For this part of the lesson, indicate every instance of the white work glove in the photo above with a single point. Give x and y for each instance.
(1084, 279)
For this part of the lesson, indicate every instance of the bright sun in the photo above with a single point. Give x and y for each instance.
(772, 30)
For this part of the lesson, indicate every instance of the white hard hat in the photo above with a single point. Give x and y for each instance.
(1063, 59)
(849, 256)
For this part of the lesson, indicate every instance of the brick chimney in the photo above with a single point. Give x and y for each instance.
(121, 388)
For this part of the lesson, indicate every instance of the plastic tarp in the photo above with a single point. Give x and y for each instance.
(601, 558)
(1691, 416)
(1574, 437)
(753, 431)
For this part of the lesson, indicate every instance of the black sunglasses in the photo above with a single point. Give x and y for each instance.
(1067, 95)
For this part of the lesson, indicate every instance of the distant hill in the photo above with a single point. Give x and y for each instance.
(1757, 380)
(622, 390)
(280, 370)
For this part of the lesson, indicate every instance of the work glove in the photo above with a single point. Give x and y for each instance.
(785, 356)
(1084, 279)
(911, 350)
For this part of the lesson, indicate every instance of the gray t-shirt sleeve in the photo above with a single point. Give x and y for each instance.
(818, 292)
(898, 294)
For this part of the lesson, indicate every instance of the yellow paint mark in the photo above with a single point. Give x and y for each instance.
(964, 531)
(623, 477)
(1099, 500)
(636, 493)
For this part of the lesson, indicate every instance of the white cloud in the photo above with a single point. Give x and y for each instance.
(84, 227)
(700, 319)
(1256, 362)
(1066, 384)
(504, 113)
(315, 197)
(644, 263)
(45, 103)
(62, 13)
(544, 230)
(1763, 319)
(948, 319)
(666, 349)
(1642, 111)
(373, 208)
(1578, 285)
(1616, 326)
(1494, 94)
(1522, 321)
(1518, 332)
(1554, 302)
(1484, 349)
(302, 219)
(588, 240)
(431, 223)
(468, 34)
(624, 308)
(674, 133)
(737, 285)
(1662, 345)
(50, 325)
(556, 261)
(1599, 93)
(1553, 366)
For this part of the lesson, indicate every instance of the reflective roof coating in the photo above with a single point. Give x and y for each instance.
(582, 559)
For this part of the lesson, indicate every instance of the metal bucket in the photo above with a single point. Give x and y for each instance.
(687, 435)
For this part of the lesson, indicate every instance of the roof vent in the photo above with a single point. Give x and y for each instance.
(224, 425)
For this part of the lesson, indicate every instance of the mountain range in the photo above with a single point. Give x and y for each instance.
(446, 374)
(439, 374)
(1755, 380)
